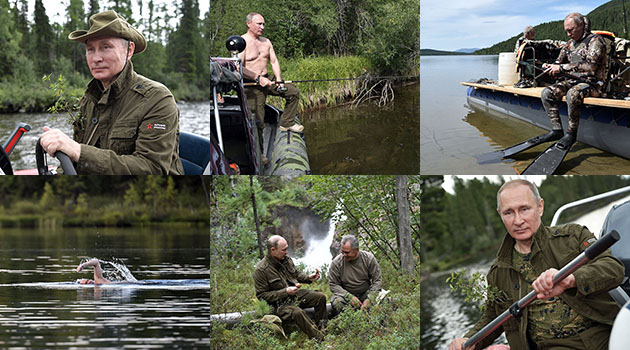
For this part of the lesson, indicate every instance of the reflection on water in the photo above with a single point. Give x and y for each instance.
(445, 314)
(42, 307)
(368, 139)
(193, 119)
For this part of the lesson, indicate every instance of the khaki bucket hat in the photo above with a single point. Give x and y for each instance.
(110, 23)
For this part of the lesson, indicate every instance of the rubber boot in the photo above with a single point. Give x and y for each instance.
(553, 135)
(566, 141)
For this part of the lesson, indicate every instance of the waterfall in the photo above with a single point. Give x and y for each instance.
(318, 249)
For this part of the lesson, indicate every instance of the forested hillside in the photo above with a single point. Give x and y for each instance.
(608, 16)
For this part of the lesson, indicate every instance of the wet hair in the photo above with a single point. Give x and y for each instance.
(250, 16)
(533, 189)
(354, 242)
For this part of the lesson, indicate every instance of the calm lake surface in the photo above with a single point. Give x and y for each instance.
(451, 134)
(367, 139)
(193, 118)
(62, 315)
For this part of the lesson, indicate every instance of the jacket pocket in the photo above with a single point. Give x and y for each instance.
(276, 283)
(123, 139)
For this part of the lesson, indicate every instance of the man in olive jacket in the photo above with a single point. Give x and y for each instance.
(278, 282)
(128, 124)
(578, 312)
(353, 275)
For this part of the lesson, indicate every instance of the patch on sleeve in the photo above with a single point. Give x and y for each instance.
(589, 242)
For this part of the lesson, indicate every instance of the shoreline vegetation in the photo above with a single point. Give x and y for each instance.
(116, 202)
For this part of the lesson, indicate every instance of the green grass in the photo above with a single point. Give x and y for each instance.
(328, 93)
(390, 325)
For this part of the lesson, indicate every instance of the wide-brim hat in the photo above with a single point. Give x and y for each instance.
(110, 23)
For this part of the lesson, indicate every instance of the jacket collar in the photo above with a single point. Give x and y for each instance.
(504, 256)
(121, 83)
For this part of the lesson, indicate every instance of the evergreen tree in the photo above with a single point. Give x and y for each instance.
(43, 39)
(70, 49)
(21, 21)
(185, 48)
(123, 7)
(10, 39)
(94, 8)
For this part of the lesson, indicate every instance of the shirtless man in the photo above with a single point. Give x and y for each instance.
(258, 52)
(98, 273)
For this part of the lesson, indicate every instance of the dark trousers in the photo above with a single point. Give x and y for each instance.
(305, 298)
(256, 97)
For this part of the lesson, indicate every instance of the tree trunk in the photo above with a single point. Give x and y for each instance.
(261, 250)
(404, 229)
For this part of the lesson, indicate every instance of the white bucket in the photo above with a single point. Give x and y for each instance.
(507, 68)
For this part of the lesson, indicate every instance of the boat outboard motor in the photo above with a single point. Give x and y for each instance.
(619, 335)
(235, 44)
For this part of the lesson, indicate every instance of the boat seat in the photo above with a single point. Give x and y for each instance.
(194, 153)
(619, 295)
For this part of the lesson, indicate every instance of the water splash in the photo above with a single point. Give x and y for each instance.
(119, 273)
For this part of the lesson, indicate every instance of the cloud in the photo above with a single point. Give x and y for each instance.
(482, 23)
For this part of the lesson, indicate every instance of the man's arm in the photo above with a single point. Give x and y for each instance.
(263, 290)
(275, 65)
(375, 275)
(596, 50)
(98, 272)
(334, 280)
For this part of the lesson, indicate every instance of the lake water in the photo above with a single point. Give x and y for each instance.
(451, 134)
(194, 118)
(41, 309)
(367, 139)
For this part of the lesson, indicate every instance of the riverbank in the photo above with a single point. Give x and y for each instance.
(38, 96)
(314, 95)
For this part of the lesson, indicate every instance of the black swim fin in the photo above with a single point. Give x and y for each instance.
(548, 161)
(496, 156)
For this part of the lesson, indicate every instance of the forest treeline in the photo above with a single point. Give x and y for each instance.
(459, 226)
(103, 201)
(386, 32)
(245, 211)
(609, 17)
(31, 46)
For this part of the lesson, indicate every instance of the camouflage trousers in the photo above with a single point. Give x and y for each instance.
(575, 93)
(292, 313)
(594, 338)
(256, 97)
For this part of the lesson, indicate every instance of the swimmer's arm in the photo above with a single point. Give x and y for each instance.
(98, 272)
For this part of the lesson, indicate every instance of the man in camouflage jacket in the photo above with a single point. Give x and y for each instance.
(576, 313)
(583, 62)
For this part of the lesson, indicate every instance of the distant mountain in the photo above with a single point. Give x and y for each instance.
(608, 16)
(467, 50)
(431, 52)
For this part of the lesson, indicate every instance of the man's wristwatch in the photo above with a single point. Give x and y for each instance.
(258, 79)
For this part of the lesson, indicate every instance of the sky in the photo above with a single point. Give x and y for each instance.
(449, 181)
(456, 24)
(56, 9)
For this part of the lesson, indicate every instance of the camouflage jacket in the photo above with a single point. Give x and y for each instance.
(552, 247)
(131, 128)
(272, 277)
(586, 58)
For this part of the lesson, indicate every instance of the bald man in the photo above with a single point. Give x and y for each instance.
(279, 283)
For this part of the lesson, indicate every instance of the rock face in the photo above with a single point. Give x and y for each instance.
(298, 226)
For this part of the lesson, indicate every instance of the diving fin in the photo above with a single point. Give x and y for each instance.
(495, 157)
(548, 161)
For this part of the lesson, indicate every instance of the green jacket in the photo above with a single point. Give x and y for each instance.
(131, 128)
(272, 277)
(552, 247)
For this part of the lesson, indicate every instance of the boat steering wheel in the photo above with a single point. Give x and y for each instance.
(5, 162)
(42, 164)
